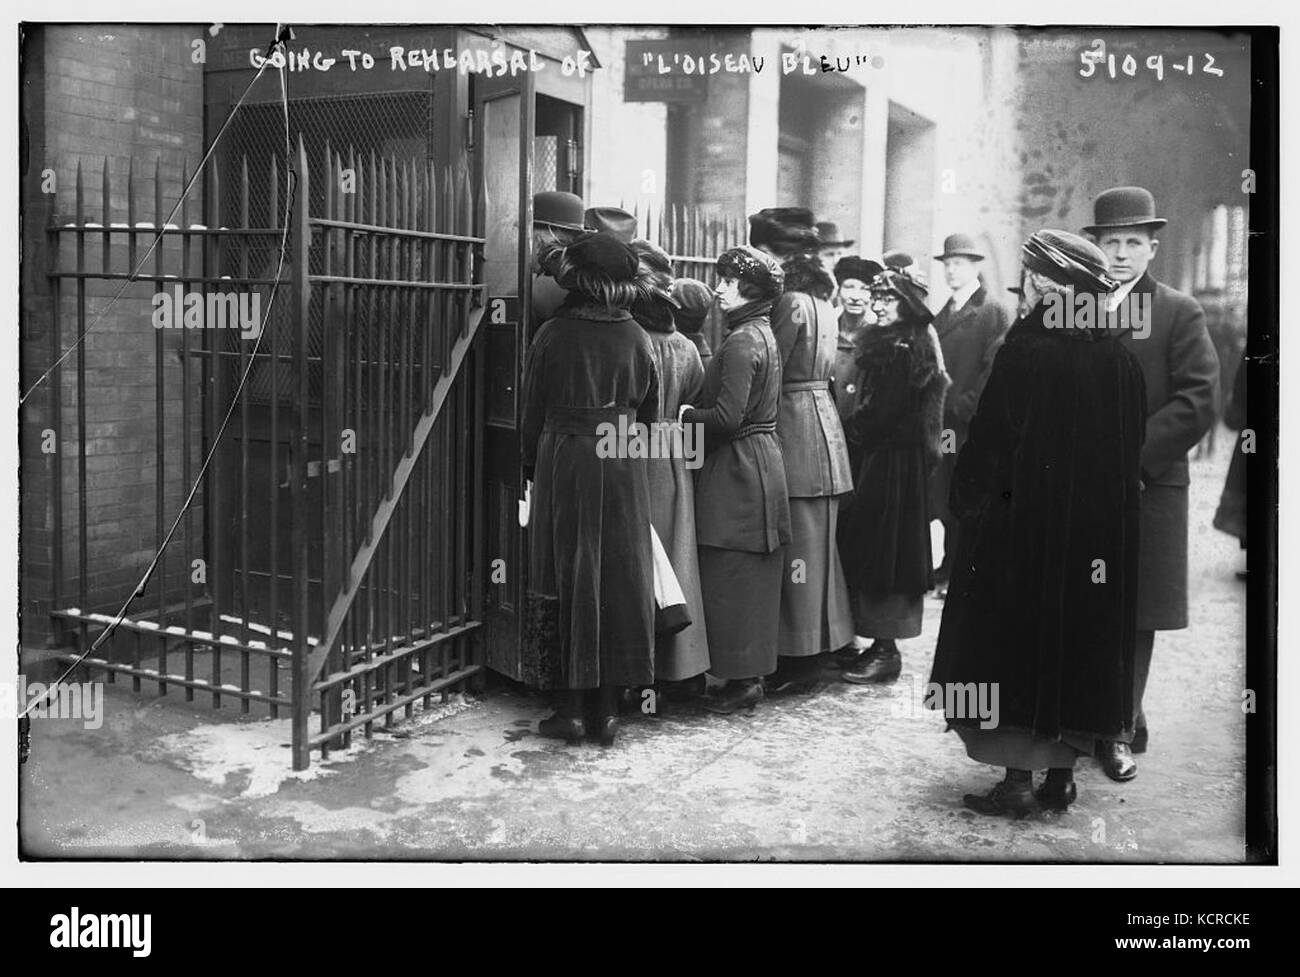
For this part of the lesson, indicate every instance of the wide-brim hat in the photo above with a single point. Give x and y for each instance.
(1124, 207)
(786, 230)
(615, 220)
(1068, 259)
(911, 293)
(959, 246)
(603, 256)
(858, 268)
(828, 236)
(556, 208)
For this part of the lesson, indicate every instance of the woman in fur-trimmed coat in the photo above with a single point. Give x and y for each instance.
(895, 425)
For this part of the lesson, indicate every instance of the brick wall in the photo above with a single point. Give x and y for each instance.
(93, 94)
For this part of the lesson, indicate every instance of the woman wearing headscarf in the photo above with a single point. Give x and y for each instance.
(680, 654)
(1041, 616)
(589, 625)
(895, 426)
(742, 512)
(815, 614)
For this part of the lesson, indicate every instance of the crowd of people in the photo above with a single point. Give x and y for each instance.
(840, 418)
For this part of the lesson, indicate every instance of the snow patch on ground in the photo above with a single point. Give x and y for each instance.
(258, 751)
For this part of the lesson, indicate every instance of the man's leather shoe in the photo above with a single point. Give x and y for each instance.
(883, 667)
(1117, 760)
(1016, 799)
(1140, 737)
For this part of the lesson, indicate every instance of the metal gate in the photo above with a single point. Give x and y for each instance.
(329, 563)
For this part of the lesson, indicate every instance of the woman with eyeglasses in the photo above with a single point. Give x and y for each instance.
(893, 428)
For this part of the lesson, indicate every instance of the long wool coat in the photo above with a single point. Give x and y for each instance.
(672, 492)
(589, 618)
(1181, 370)
(969, 338)
(741, 500)
(812, 438)
(884, 528)
(1043, 595)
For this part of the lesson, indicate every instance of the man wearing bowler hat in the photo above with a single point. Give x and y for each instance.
(831, 246)
(1181, 370)
(970, 327)
(557, 223)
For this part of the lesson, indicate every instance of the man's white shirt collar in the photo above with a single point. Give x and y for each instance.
(1118, 296)
(963, 294)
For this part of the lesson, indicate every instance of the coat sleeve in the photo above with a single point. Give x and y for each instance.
(533, 412)
(739, 362)
(1193, 365)
(647, 411)
(994, 432)
(789, 324)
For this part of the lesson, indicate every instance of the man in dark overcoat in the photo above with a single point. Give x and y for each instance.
(1181, 370)
(971, 326)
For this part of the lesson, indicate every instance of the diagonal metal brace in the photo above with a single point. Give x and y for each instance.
(383, 515)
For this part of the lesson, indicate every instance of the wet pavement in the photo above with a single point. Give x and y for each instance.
(846, 773)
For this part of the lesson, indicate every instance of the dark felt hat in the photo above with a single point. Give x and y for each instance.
(786, 230)
(1124, 207)
(604, 255)
(615, 220)
(828, 235)
(896, 258)
(558, 209)
(911, 293)
(1067, 259)
(856, 267)
(693, 300)
(959, 246)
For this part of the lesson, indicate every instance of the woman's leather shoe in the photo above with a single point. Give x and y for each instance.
(1117, 760)
(607, 730)
(567, 728)
(1140, 737)
(883, 667)
(1016, 799)
(737, 697)
(1057, 795)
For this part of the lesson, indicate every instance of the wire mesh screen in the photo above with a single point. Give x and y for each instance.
(394, 126)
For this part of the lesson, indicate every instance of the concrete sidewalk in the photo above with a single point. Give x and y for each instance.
(848, 773)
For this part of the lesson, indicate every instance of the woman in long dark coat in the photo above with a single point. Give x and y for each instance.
(742, 512)
(1041, 615)
(815, 615)
(590, 606)
(894, 428)
(679, 654)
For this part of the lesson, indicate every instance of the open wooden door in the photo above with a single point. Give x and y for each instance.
(529, 136)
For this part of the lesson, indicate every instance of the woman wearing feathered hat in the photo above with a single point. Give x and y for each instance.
(895, 426)
(589, 623)
(742, 512)
(815, 614)
(679, 654)
(1041, 609)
